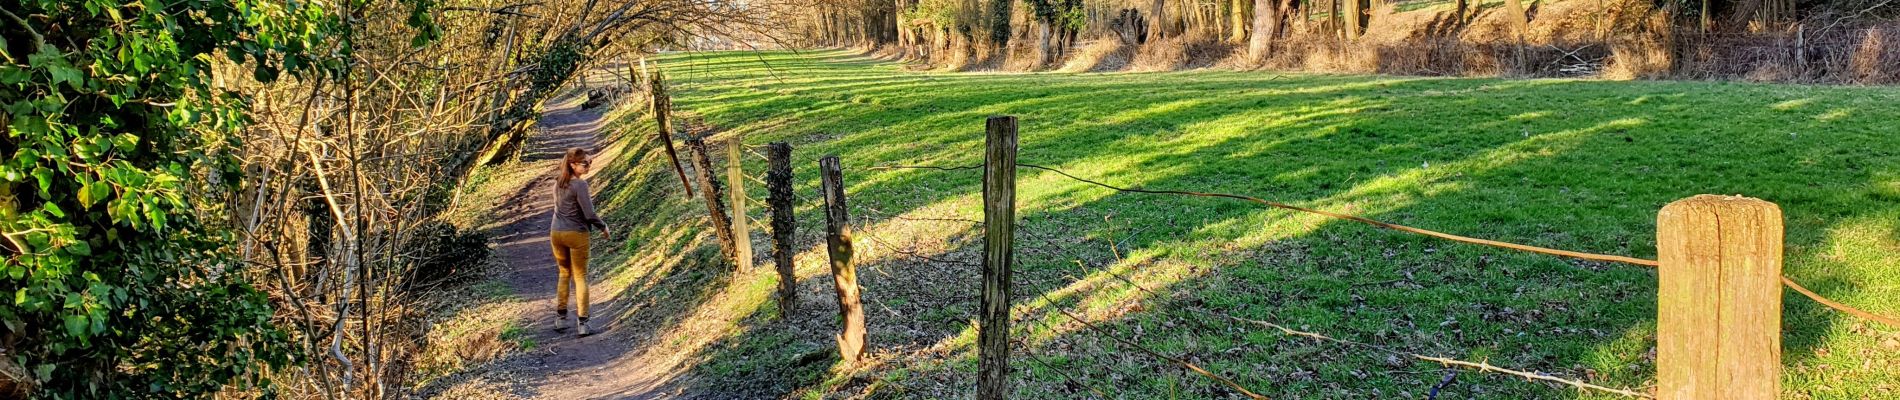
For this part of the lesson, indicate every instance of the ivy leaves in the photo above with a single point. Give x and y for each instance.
(114, 134)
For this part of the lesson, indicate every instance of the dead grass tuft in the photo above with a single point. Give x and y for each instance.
(1188, 51)
(1022, 57)
(1874, 62)
(1100, 56)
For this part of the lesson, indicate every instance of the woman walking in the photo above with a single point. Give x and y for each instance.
(573, 218)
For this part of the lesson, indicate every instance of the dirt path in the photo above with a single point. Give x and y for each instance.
(606, 365)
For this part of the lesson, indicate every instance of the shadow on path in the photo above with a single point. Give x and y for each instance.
(561, 365)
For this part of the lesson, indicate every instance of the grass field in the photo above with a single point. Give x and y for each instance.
(1571, 164)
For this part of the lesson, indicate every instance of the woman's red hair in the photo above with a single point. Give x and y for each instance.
(565, 172)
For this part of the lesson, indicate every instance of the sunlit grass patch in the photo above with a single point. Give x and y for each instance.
(1580, 165)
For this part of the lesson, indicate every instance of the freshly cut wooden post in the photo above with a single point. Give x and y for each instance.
(999, 236)
(843, 275)
(722, 226)
(663, 105)
(741, 232)
(1718, 308)
(778, 182)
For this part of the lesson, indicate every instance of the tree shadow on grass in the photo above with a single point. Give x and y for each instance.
(1575, 165)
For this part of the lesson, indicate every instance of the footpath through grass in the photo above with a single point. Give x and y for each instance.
(1571, 164)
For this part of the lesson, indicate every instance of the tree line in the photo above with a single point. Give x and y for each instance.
(1257, 30)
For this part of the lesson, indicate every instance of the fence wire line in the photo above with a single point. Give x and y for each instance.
(888, 215)
(1130, 343)
(1045, 297)
(1890, 321)
(933, 167)
(756, 222)
(1368, 221)
(1099, 393)
(1789, 282)
(875, 214)
(912, 253)
(1354, 218)
(1480, 366)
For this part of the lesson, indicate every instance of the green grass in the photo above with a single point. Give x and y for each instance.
(517, 334)
(1572, 164)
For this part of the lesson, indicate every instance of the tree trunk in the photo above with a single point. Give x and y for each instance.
(1352, 14)
(1266, 27)
(1158, 19)
(999, 18)
(1068, 42)
(1240, 20)
(900, 26)
(1705, 16)
(1514, 13)
(1048, 48)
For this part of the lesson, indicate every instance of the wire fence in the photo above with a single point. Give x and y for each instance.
(1787, 281)
(1479, 366)
(871, 213)
(1282, 328)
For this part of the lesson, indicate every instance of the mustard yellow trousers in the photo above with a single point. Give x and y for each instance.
(570, 255)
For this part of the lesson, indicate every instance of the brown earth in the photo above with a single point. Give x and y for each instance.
(610, 364)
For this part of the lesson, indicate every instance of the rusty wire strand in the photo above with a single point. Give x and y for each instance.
(889, 215)
(1480, 366)
(1368, 221)
(1151, 352)
(908, 253)
(1890, 321)
(911, 253)
(932, 167)
(1099, 393)
(756, 179)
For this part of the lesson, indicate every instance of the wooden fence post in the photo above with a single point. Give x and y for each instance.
(662, 106)
(1718, 308)
(1800, 51)
(778, 181)
(843, 275)
(999, 235)
(722, 227)
(741, 231)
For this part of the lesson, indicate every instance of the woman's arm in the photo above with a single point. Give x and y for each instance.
(586, 200)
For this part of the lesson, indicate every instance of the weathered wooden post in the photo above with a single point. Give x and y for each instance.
(1718, 308)
(662, 106)
(1801, 51)
(778, 182)
(844, 276)
(741, 232)
(722, 225)
(999, 236)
